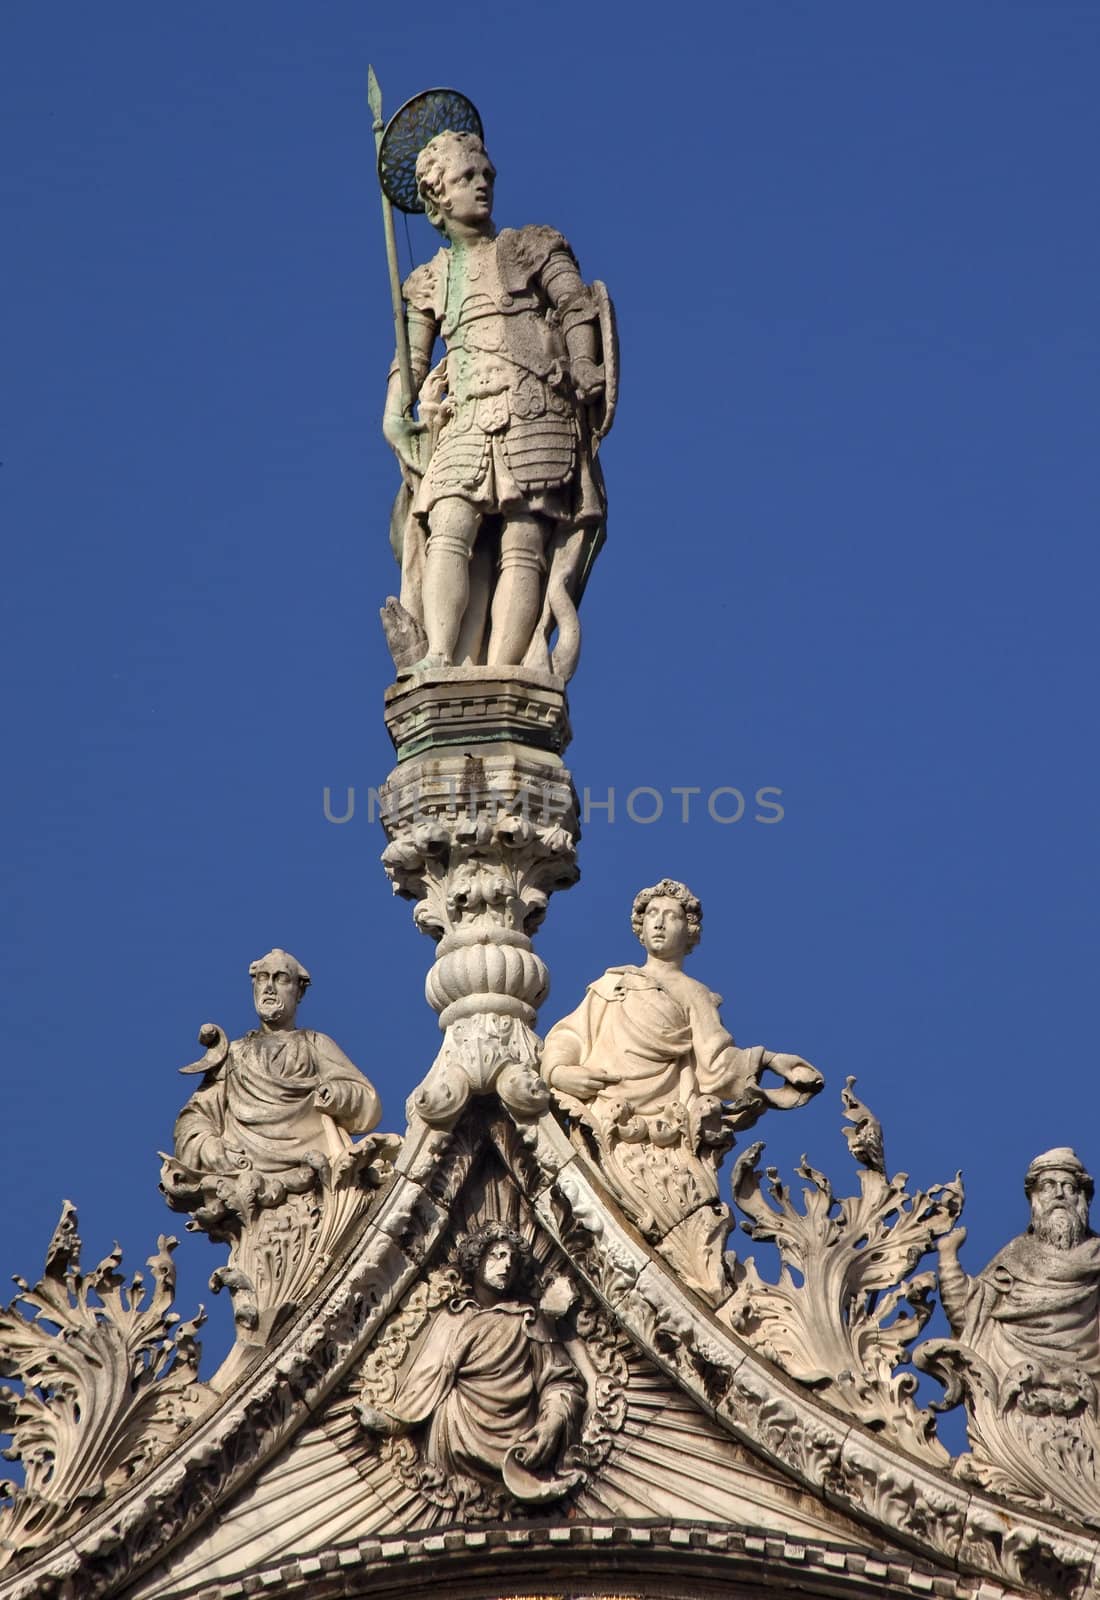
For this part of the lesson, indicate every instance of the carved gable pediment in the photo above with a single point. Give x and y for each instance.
(405, 1417)
(637, 1450)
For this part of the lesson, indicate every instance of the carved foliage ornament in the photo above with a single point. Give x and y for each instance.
(481, 879)
(847, 1306)
(108, 1381)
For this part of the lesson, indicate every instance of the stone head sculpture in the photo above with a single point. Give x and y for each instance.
(454, 179)
(278, 984)
(668, 919)
(1059, 1190)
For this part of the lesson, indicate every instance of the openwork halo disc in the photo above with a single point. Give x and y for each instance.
(409, 130)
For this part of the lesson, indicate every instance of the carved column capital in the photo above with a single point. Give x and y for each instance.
(479, 842)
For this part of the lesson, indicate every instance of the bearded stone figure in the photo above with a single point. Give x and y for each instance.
(1025, 1356)
(657, 1088)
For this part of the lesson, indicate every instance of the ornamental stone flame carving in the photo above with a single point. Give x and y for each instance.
(1025, 1356)
(847, 1307)
(107, 1381)
(263, 1154)
(657, 1089)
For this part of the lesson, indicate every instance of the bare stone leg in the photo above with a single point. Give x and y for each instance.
(519, 589)
(471, 635)
(452, 529)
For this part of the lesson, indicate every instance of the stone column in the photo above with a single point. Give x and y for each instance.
(481, 817)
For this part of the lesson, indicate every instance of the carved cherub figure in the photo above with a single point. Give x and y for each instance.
(491, 1384)
(501, 467)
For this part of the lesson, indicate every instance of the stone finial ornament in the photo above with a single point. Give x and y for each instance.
(263, 1151)
(1025, 1352)
(502, 507)
(658, 1089)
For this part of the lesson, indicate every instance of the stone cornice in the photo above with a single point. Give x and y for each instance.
(645, 1557)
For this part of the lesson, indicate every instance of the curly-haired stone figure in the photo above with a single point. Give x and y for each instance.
(647, 1037)
(491, 1382)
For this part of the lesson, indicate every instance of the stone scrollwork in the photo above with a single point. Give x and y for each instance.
(494, 1391)
(481, 872)
(108, 1381)
(657, 1090)
(847, 1306)
(1025, 1356)
(263, 1156)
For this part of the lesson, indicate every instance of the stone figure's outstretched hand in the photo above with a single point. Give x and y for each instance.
(800, 1080)
(951, 1243)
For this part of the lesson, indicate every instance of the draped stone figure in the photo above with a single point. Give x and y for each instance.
(658, 1088)
(491, 1384)
(504, 504)
(264, 1157)
(1025, 1356)
(280, 1097)
(1038, 1300)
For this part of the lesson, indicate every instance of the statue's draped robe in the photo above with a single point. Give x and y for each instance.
(1036, 1303)
(260, 1108)
(663, 1038)
(484, 1375)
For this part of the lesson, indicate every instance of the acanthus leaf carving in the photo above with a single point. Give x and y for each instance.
(480, 851)
(847, 1306)
(109, 1375)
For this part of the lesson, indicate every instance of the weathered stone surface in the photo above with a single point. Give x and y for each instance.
(107, 1382)
(1025, 1358)
(500, 470)
(847, 1307)
(658, 1090)
(474, 709)
(480, 847)
(264, 1157)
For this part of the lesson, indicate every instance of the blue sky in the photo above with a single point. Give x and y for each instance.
(851, 554)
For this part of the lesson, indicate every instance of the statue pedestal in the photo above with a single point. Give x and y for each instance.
(468, 707)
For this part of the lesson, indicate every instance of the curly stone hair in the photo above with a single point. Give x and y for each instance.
(472, 1248)
(670, 889)
(430, 164)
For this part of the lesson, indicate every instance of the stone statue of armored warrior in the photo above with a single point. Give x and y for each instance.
(504, 502)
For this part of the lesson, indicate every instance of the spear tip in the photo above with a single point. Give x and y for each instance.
(374, 93)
